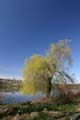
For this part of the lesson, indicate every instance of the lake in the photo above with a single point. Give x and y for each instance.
(15, 96)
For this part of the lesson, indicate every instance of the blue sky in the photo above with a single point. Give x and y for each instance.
(29, 26)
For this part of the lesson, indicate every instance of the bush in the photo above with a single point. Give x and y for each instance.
(1, 98)
(66, 95)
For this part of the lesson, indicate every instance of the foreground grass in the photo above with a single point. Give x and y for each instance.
(39, 111)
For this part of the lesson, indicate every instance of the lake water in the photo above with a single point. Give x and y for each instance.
(11, 95)
(17, 97)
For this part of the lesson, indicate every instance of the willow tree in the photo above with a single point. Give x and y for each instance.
(39, 70)
(37, 73)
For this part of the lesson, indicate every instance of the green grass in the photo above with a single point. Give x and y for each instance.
(38, 107)
(42, 109)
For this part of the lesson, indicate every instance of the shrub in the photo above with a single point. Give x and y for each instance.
(66, 95)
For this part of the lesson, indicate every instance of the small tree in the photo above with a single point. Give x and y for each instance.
(39, 70)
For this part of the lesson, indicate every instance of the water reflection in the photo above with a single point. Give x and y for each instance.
(13, 95)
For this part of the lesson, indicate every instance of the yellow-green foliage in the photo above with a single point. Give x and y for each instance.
(38, 69)
(59, 53)
(36, 73)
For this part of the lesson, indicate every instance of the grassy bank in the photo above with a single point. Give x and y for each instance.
(38, 111)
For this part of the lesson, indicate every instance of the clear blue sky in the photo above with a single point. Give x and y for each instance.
(29, 26)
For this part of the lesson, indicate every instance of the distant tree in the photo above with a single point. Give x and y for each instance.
(39, 70)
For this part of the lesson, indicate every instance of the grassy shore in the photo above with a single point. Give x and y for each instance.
(39, 111)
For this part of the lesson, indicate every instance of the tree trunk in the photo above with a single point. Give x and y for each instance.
(49, 88)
